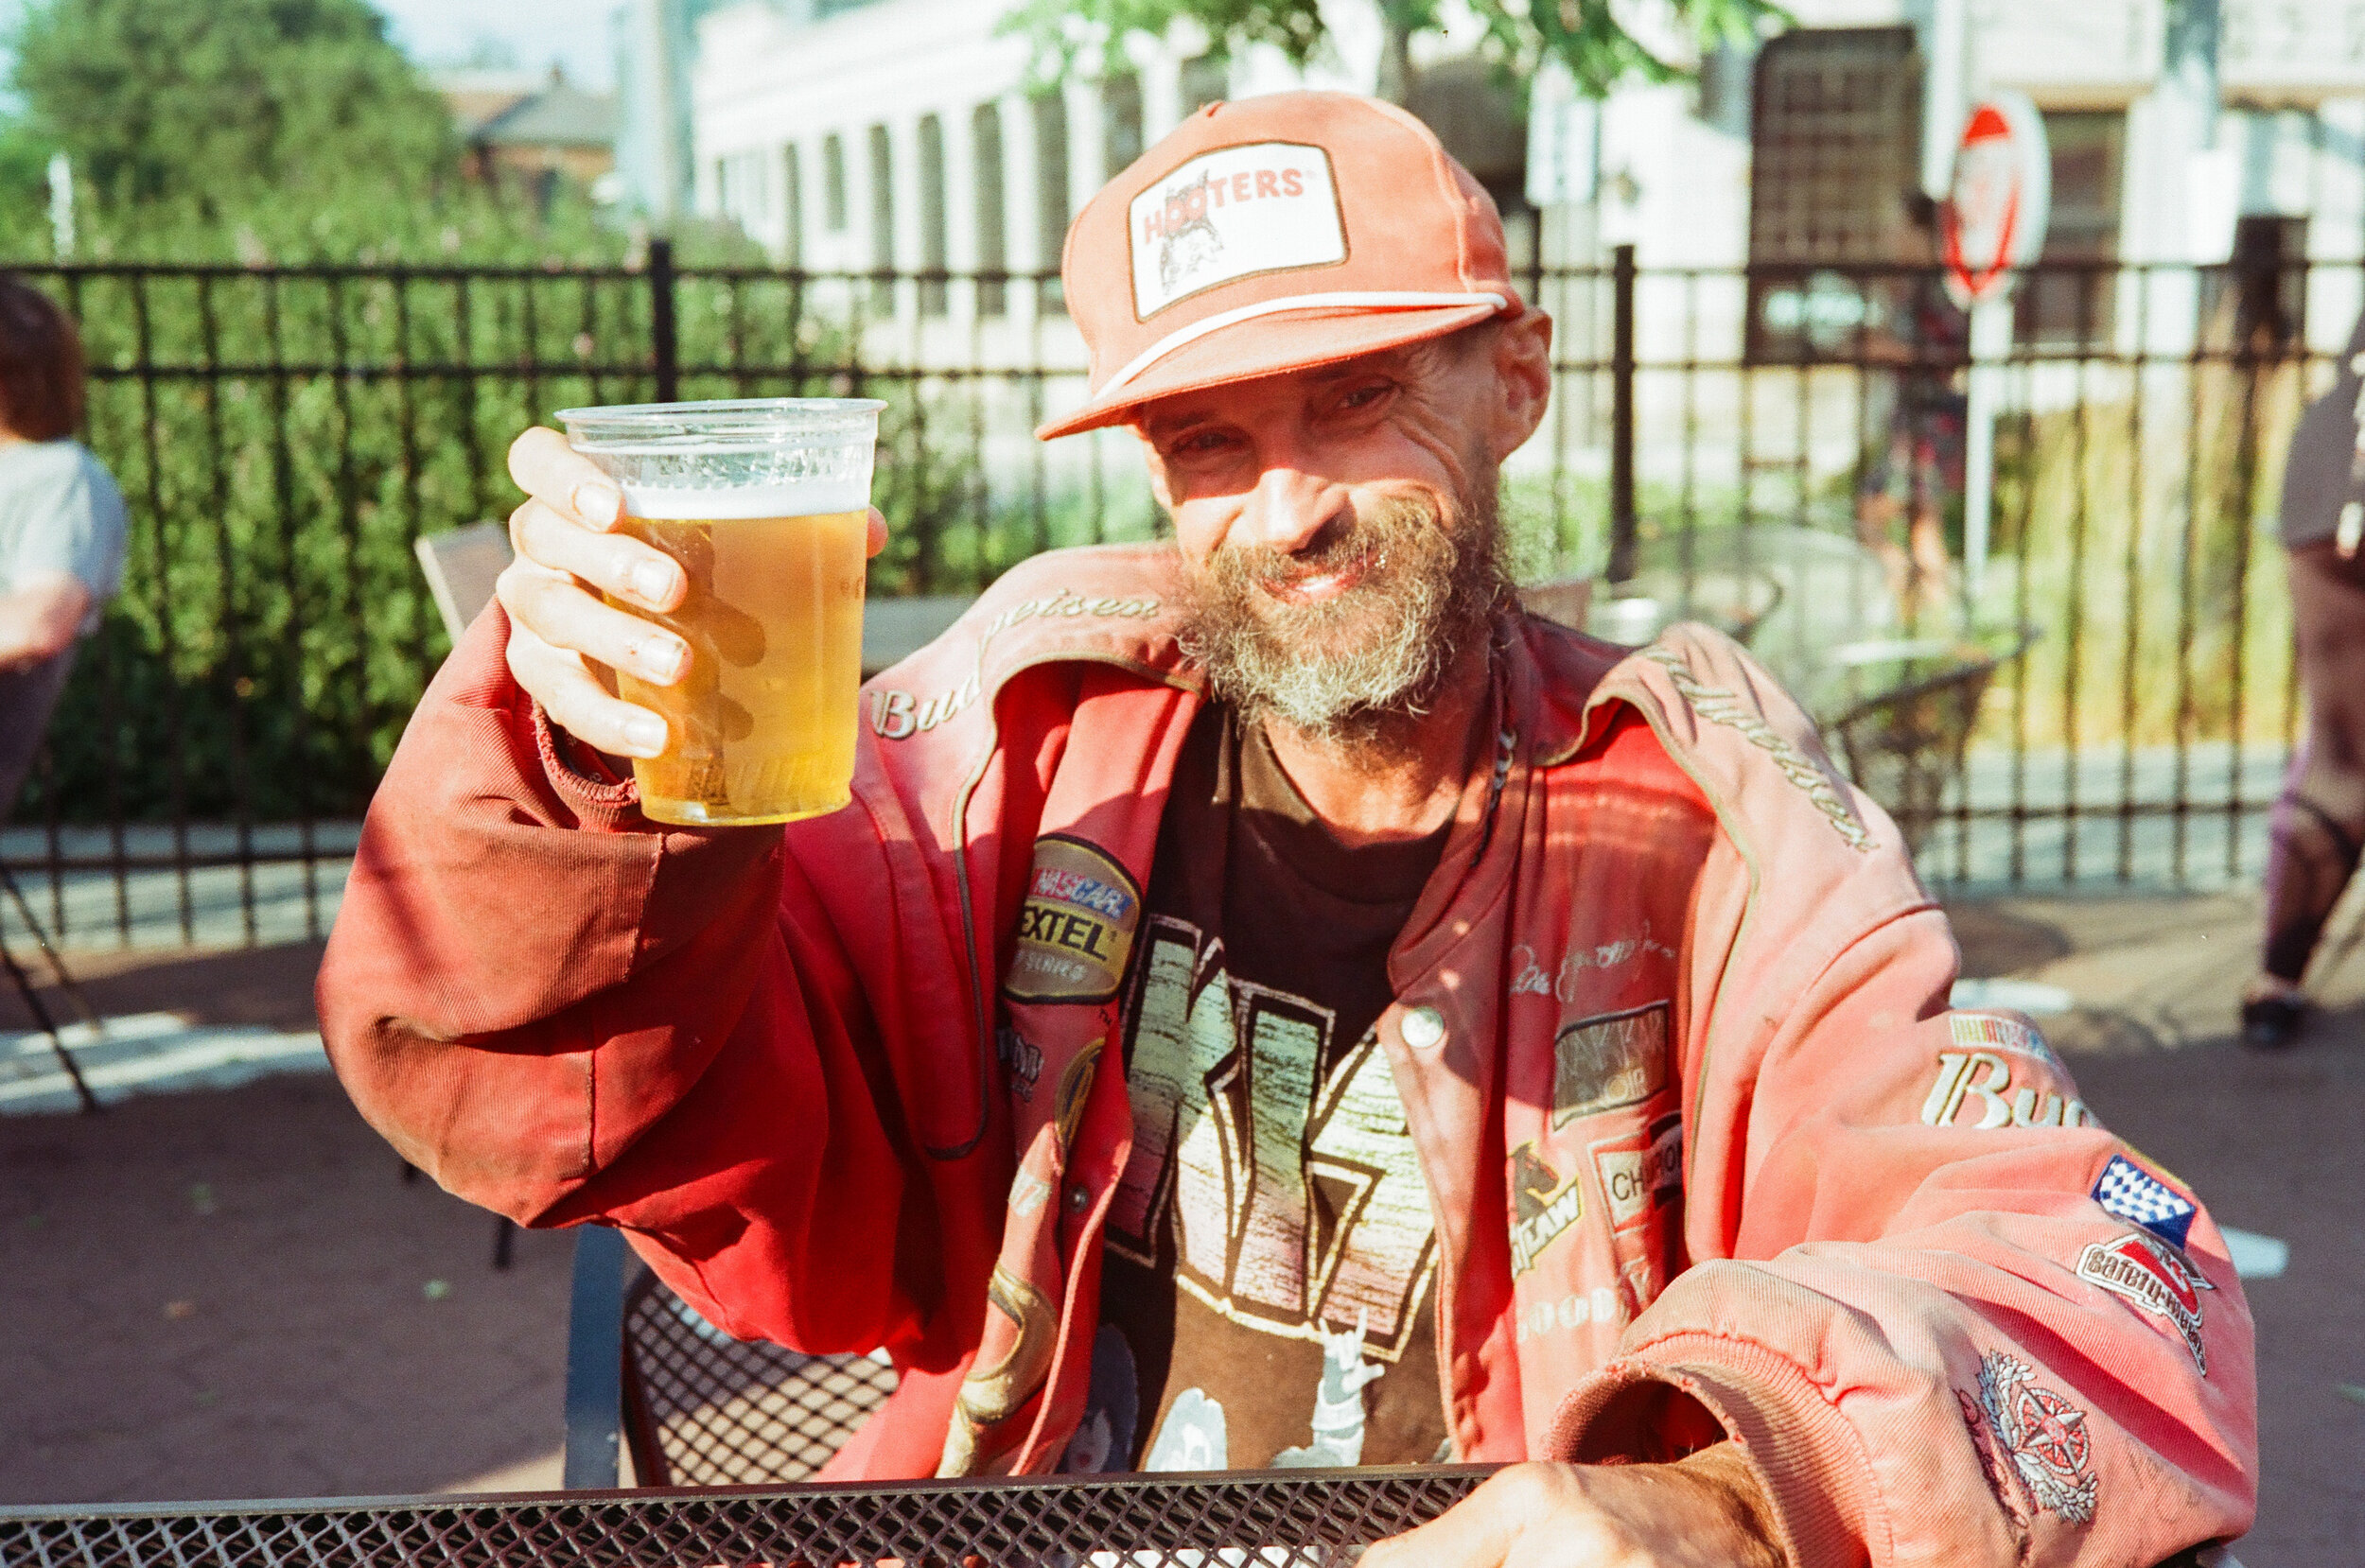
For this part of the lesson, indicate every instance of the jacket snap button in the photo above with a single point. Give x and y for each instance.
(1077, 1198)
(1423, 1028)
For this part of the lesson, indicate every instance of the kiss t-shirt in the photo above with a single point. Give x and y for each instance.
(1268, 1291)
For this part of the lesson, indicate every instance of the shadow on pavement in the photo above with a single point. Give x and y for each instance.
(231, 1293)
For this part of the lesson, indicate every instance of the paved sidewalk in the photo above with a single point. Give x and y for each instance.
(229, 1293)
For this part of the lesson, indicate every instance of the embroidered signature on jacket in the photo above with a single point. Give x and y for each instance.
(1720, 706)
(900, 715)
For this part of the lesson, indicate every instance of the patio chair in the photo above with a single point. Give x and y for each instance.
(688, 1405)
(1903, 744)
(31, 995)
(694, 1408)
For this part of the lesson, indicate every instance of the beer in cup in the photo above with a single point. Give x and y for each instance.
(763, 503)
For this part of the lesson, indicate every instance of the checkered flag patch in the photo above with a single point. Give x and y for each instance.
(2132, 1193)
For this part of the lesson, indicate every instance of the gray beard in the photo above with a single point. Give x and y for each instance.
(1349, 670)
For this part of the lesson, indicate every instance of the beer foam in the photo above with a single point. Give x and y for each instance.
(730, 502)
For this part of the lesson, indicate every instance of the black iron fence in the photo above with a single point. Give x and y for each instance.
(1748, 447)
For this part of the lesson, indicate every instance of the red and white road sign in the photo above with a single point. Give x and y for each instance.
(2002, 198)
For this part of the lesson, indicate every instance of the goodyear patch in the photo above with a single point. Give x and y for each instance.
(1075, 927)
(1607, 1062)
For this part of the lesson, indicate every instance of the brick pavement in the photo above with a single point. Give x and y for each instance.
(310, 1358)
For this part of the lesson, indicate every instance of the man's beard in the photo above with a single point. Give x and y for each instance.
(1349, 670)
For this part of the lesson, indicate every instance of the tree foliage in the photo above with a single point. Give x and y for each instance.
(218, 100)
(1591, 38)
(250, 130)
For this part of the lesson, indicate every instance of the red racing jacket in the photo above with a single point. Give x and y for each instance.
(1703, 1144)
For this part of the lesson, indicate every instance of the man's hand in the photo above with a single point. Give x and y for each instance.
(1706, 1511)
(563, 639)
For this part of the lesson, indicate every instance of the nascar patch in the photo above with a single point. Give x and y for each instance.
(2127, 1191)
(1075, 927)
(1992, 1032)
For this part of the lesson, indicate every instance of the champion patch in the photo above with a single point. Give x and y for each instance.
(1641, 1172)
(1075, 927)
(2127, 1191)
(2041, 1435)
(2155, 1278)
(1235, 213)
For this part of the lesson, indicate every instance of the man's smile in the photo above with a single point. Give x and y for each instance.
(1321, 583)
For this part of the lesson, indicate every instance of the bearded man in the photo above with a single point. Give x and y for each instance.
(1272, 1003)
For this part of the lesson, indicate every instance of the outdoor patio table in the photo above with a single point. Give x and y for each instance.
(1294, 1519)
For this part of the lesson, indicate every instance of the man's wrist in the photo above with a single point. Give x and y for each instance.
(1728, 1470)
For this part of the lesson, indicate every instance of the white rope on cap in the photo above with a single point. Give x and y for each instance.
(1366, 299)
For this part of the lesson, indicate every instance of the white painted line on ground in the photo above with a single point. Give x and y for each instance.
(2033, 996)
(2256, 1257)
(146, 1054)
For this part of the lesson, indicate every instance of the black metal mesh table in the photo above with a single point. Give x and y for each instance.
(1312, 1519)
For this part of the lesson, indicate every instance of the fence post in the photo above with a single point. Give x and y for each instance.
(664, 342)
(1621, 508)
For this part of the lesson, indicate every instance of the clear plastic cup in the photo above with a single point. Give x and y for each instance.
(763, 502)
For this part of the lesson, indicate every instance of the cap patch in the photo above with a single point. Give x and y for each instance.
(1235, 213)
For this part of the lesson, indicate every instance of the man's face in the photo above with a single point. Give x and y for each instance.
(1337, 526)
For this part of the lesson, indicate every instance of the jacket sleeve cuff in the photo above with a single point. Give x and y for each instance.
(1806, 1455)
(602, 802)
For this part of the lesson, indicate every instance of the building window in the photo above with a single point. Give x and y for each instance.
(882, 221)
(932, 224)
(2066, 299)
(1120, 123)
(793, 194)
(1837, 147)
(1835, 134)
(833, 183)
(1051, 211)
(1202, 82)
(993, 251)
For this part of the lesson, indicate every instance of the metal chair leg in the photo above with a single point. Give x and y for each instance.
(57, 965)
(48, 1026)
(595, 1359)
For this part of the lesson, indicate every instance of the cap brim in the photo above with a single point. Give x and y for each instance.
(1269, 345)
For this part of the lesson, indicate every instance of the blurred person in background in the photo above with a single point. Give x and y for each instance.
(1911, 400)
(62, 523)
(2319, 820)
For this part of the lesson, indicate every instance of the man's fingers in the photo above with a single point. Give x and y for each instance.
(613, 562)
(1527, 1516)
(575, 701)
(877, 532)
(1475, 1532)
(565, 481)
(559, 611)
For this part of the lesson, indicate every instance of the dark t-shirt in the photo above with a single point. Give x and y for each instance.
(1266, 1295)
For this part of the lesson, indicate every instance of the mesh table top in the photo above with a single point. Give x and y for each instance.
(1309, 1518)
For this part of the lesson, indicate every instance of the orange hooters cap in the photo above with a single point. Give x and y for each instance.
(1272, 235)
